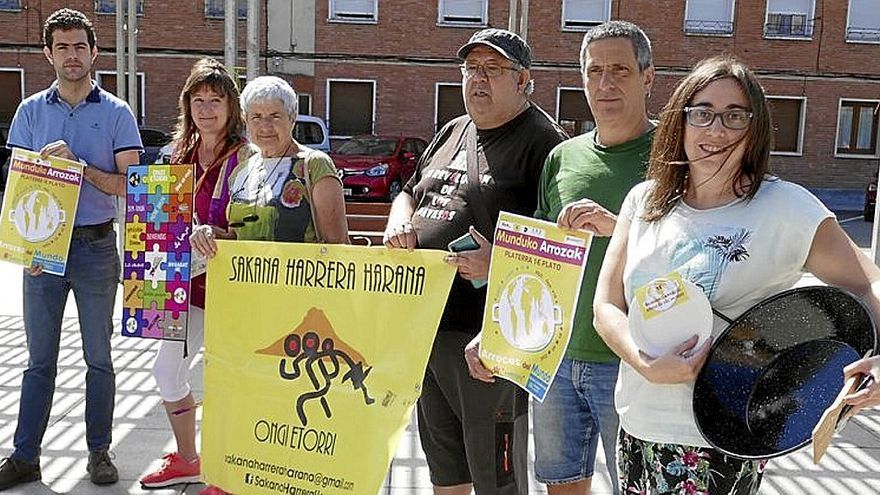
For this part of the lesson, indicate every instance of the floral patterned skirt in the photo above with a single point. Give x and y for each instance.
(665, 468)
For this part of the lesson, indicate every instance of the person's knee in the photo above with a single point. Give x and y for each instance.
(171, 381)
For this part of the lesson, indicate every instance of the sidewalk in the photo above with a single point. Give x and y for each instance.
(141, 433)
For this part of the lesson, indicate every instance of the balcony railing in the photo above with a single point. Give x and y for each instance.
(707, 27)
(109, 6)
(789, 26)
(217, 9)
(10, 4)
(869, 34)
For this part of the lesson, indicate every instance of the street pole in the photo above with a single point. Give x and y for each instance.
(132, 59)
(524, 20)
(230, 17)
(253, 39)
(511, 19)
(120, 53)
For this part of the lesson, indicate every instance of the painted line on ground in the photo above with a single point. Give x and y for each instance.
(859, 217)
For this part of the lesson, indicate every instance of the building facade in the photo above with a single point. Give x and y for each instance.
(172, 35)
(389, 66)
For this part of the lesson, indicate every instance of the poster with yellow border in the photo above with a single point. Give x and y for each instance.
(534, 284)
(314, 358)
(39, 207)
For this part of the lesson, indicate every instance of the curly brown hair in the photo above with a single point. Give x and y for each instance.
(66, 20)
(209, 73)
(667, 165)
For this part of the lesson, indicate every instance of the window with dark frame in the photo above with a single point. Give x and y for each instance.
(304, 103)
(109, 6)
(786, 113)
(216, 9)
(575, 115)
(857, 128)
(107, 82)
(584, 14)
(450, 104)
(789, 19)
(350, 108)
(462, 12)
(353, 10)
(10, 94)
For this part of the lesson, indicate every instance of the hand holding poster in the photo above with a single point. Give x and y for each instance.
(534, 284)
(39, 207)
(315, 356)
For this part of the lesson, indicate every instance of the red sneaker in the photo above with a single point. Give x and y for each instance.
(175, 470)
(213, 490)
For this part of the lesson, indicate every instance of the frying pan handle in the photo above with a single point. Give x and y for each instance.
(722, 316)
(843, 418)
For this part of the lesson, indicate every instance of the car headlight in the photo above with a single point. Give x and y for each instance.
(872, 187)
(378, 170)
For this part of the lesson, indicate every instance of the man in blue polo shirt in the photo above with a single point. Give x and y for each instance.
(73, 119)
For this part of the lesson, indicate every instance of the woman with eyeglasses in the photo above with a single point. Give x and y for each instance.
(711, 212)
(210, 134)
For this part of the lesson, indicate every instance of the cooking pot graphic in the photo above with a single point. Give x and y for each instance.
(37, 216)
(526, 313)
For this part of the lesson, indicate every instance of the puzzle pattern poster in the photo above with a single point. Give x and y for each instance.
(156, 270)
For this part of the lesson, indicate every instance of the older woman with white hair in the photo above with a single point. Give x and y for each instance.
(287, 191)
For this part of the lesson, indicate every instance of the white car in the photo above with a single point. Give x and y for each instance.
(307, 130)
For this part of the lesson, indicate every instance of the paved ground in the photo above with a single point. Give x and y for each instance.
(852, 465)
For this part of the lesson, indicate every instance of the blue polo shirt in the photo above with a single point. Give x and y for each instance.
(94, 130)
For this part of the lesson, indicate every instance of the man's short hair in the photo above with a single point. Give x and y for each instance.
(65, 20)
(620, 29)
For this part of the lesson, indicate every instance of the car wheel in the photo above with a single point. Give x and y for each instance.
(394, 189)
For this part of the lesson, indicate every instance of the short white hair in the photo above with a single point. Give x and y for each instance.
(265, 88)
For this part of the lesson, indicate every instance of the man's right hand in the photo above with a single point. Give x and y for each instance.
(400, 235)
(475, 366)
(34, 270)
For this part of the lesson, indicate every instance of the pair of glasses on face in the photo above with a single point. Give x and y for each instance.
(491, 71)
(736, 119)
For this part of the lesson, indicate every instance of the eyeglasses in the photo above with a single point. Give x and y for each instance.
(736, 119)
(492, 71)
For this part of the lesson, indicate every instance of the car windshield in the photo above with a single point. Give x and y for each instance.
(308, 133)
(368, 146)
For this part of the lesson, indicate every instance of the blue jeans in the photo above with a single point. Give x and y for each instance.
(578, 409)
(93, 275)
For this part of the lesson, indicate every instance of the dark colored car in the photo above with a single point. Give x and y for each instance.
(153, 140)
(870, 200)
(377, 167)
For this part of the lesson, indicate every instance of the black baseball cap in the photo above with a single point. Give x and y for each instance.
(508, 44)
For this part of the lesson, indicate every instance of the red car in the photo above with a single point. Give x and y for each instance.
(377, 167)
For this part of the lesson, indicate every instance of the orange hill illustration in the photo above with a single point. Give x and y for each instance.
(314, 321)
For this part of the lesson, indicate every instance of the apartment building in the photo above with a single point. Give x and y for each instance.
(389, 66)
(171, 36)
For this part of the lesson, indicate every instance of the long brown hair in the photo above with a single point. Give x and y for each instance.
(209, 73)
(668, 164)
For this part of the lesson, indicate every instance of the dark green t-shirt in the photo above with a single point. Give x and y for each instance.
(576, 169)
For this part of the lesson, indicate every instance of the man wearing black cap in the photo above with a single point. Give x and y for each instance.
(475, 434)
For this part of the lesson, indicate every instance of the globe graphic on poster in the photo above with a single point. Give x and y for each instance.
(37, 216)
(526, 313)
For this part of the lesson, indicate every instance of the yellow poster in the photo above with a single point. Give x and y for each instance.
(38, 210)
(314, 359)
(534, 284)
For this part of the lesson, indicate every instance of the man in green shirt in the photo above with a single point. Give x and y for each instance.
(582, 187)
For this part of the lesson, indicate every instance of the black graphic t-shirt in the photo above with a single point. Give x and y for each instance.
(510, 161)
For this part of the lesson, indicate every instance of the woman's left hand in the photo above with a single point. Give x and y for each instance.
(681, 364)
(473, 265)
(870, 395)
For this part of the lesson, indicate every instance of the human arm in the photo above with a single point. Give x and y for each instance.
(835, 260)
(680, 364)
(108, 182)
(330, 210)
(399, 231)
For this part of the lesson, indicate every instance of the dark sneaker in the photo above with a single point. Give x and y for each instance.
(101, 469)
(14, 472)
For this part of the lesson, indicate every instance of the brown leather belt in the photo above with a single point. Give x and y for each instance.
(93, 232)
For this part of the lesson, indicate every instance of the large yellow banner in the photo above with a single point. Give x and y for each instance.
(314, 359)
(38, 210)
